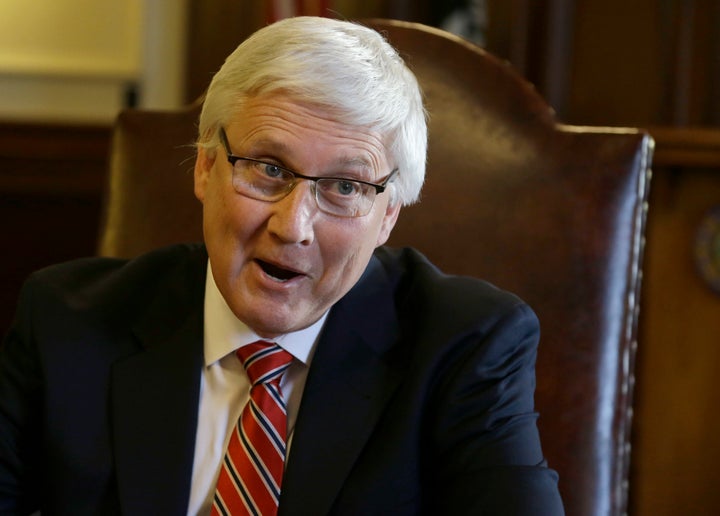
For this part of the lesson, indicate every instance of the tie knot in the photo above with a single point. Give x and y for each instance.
(263, 361)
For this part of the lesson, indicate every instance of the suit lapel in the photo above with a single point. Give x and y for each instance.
(351, 379)
(155, 397)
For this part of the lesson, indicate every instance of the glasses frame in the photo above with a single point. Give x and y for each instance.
(233, 158)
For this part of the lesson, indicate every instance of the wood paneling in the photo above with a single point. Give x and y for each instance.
(675, 455)
(51, 177)
(216, 28)
(614, 62)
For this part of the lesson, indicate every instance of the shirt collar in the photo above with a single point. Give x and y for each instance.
(224, 332)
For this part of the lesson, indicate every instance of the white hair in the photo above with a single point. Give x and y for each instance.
(341, 66)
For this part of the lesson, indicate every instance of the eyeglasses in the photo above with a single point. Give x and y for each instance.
(337, 196)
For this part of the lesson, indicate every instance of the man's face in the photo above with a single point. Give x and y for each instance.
(280, 265)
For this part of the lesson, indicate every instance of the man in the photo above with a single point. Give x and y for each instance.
(129, 386)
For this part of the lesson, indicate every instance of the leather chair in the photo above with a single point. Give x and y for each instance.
(552, 212)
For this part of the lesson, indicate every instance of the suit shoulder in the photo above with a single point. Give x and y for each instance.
(413, 271)
(424, 289)
(95, 281)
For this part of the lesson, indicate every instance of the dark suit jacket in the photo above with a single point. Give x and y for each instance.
(419, 399)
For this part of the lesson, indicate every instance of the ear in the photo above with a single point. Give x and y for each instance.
(203, 166)
(388, 223)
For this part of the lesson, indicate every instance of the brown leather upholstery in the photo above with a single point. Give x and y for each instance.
(149, 199)
(551, 212)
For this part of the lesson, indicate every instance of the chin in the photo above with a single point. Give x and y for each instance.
(269, 328)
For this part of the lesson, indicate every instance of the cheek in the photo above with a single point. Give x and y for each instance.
(223, 207)
(223, 228)
(348, 249)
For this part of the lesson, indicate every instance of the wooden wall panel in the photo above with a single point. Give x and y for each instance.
(614, 62)
(618, 72)
(216, 28)
(676, 455)
(51, 178)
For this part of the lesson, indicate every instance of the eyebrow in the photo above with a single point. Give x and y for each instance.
(266, 146)
(271, 146)
(356, 161)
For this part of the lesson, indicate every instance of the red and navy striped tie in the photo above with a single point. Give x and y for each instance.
(252, 469)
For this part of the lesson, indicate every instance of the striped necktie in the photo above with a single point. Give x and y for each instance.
(252, 470)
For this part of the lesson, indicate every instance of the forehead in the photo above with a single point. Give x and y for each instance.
(284, 126)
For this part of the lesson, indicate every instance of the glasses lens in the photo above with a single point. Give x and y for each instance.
(259, 180)
(343, 197)
(269, 182)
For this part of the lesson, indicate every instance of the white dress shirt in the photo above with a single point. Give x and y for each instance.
(225, 388)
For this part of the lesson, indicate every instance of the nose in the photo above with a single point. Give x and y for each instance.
(293, 217)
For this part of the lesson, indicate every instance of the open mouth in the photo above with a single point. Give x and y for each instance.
(277, 273)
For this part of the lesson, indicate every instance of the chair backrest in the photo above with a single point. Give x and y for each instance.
(552, 212)
(149, 198)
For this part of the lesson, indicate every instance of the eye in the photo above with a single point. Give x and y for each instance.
(345, 188)
(270, 170)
